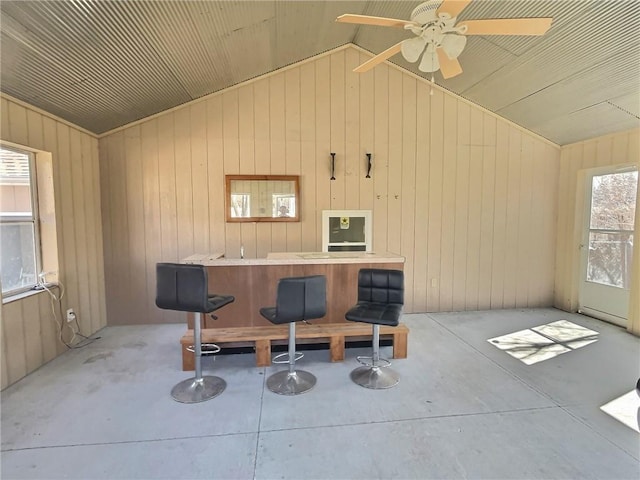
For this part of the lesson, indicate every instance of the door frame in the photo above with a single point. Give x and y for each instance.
(583, 215)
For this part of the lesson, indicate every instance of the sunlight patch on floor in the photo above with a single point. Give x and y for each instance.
(625, 409)
(545, 341)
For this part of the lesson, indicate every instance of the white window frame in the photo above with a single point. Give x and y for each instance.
(32, 219)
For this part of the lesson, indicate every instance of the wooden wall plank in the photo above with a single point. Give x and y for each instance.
(35, 132)
(292, 147)
(474, 216)
(511, 267)
(309, 222)
(83, 306)
(151, 209)
(48, 327)
(32, 333)
(215, 174)
(262, 156)
(366, 135)
(15, 342)
(337, 127)
(323, 142)
(380, 171)
(448, 204)
(18, 129)
(526, 247)
(407, 168)
(184, 198)
(91, 221)
(277, 122)
(434, 199)
(353, 159)
(500, 216)
(4, 119)
(4, 370)
(395, 191)
(70, 278)
(199, 177)
(135, 222)
(421, 213)
(461, 225)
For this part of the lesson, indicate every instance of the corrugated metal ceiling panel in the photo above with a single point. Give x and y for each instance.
(597, 34)
(590, 122)
(102, 64)
(594, 84)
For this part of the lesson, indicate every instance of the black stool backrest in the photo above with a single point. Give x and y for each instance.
(182, 287)
(381, 286)
(301, 298)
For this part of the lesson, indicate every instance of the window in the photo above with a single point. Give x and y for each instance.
(19, 236)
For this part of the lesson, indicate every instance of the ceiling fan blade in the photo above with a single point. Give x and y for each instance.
(507, 26)
(381, 57)
(412, 48)
(449, 67)
(453, 7)
(430, 61)
(368, 20)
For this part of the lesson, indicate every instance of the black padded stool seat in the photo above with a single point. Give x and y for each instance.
(298, 299)
(185, 288)
(380, 302)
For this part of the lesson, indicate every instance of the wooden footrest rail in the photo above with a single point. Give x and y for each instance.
(261, 337)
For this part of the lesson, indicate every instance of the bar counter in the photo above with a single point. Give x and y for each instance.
(253, 281)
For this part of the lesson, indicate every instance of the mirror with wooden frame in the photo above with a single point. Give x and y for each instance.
(262, 198)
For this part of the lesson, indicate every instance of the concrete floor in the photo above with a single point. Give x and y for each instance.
(463, 409)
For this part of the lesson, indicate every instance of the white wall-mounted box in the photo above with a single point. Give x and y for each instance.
(346, 230)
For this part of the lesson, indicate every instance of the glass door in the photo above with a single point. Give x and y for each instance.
(607, 246)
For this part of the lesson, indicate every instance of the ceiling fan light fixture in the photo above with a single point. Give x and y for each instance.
(429, 62)
(453, 45)
(412, 48)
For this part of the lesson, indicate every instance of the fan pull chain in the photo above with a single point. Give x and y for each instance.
(432, 82)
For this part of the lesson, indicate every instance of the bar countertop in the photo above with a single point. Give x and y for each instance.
(296, 258)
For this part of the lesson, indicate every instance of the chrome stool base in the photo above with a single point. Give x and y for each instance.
(375, 377)
(286, 383)
(194, 390)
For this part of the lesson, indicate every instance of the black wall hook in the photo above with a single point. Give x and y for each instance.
(368, 165)
(333, 166)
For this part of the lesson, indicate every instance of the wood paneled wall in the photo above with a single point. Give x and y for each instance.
(469, 199)
(616, 149)
(29, 333)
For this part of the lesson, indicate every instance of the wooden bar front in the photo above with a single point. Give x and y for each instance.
(254, 286)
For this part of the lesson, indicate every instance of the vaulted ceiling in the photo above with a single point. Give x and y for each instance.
(103, 64)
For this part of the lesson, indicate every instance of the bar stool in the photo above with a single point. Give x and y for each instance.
(298, 299)
(380, 301)
(185, 288)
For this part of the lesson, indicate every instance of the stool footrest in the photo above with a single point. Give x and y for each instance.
(206, 348)
(382, 362)
(278, 358)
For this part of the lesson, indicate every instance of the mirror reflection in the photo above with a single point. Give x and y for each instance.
(262, 198)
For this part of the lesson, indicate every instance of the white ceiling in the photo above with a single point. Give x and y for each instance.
(103, 64)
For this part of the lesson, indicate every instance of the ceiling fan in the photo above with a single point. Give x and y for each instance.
(438, 39)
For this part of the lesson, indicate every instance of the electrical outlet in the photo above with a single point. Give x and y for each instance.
(71, 315)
